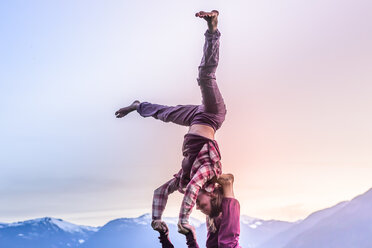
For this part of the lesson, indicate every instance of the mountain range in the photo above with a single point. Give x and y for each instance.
(346, 225)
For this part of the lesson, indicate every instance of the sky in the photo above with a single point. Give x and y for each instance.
(295, 75)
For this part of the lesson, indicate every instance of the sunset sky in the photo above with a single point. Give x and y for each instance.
(296, 77)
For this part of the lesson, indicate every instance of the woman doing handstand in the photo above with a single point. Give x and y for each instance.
(201, 162)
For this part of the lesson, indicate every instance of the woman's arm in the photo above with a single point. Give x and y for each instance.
(228, 234)
(229, 231)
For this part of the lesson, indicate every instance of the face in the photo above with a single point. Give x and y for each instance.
(203, 203)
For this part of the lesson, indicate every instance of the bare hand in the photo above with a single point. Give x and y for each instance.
(182, 229)
(225, 179)
(160, 226)
(186, 228)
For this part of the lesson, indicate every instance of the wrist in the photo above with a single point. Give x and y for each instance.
(183, 221)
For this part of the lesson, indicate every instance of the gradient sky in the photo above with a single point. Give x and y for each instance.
(296, 77)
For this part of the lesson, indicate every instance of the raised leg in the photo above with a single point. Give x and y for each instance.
(212, 98)
(180, 114)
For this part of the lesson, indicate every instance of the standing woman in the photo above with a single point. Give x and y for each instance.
(223, 214)
(201, 162)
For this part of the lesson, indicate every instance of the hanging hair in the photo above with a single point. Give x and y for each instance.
(216, 207)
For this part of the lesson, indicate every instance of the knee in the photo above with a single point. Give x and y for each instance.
(207, 72)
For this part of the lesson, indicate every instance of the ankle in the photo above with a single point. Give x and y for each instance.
(135, 104)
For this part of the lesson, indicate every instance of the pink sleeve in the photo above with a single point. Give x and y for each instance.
(229, 231)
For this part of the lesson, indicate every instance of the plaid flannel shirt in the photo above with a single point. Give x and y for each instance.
(206, 166)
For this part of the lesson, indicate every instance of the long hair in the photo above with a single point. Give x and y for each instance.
(216, 207)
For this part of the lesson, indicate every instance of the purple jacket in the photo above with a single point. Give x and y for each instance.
(228, 226)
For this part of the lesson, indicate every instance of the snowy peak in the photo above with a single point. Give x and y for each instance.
(255, 223)
(251, 222)
(146, 219)
(44, 233)
(69, 227)
(49, 221)
(247, 219)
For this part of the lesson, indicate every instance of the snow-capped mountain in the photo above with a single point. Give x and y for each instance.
(137, 232)
(257, 231)
(43, 232)
(130, 232)
(345, 225)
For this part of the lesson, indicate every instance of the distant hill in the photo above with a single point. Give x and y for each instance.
(348, 227)
(282, 238)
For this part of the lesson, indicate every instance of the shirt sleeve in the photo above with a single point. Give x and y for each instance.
(203, 175)
(160, 198)
(229, 231)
